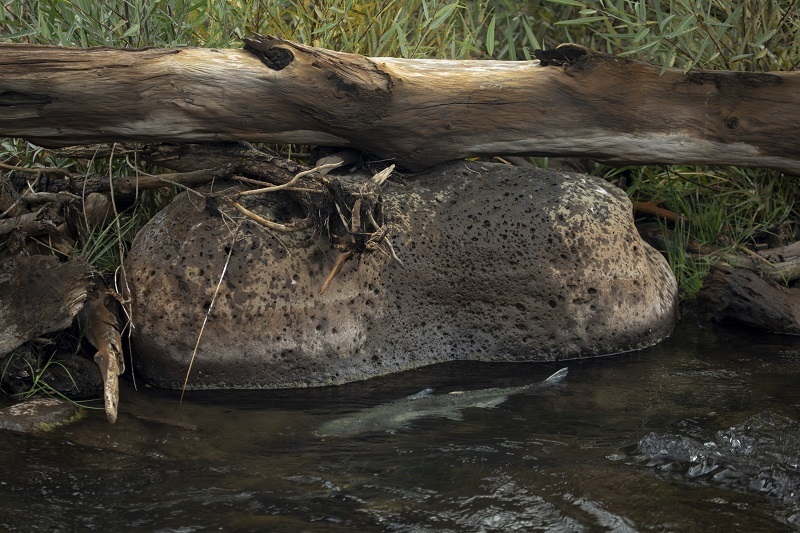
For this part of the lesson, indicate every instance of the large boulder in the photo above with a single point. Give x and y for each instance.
(501, 264)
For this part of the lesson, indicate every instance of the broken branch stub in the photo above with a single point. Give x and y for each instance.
(102, 329)
(417, 112)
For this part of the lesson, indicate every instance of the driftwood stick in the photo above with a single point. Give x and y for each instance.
(779, 264)
(131, 184)
(103, 331)
(29, 224)
(790, 252)
(573, 102)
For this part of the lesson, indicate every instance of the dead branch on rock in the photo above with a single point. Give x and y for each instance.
(379, 238)
(250, 181)
(291, 182)
(208, 312)
(357, 230)
(332, 205)
(283, 228)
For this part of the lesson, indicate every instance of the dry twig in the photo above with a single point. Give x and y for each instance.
(275, 188)
(208, 314)
(341, 259)
(284, 228)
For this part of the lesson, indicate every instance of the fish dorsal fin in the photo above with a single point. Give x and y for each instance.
(558, 376)
(421, 394)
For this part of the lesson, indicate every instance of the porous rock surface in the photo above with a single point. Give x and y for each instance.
(501, 264)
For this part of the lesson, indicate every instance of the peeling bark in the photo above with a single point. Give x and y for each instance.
(571, 102)
(38, 295)
(30, 224)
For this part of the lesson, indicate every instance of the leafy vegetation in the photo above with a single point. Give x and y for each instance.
(724, 207)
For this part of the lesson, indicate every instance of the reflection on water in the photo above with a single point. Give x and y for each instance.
(701, 433)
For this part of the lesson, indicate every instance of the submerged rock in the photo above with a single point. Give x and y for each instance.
(758, 455)
(38, 415)
(501, 264)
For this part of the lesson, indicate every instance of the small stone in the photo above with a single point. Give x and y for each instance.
(38, 415)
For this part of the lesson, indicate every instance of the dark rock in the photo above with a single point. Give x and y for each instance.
(501, 264)
(758, 455)
(741, 296)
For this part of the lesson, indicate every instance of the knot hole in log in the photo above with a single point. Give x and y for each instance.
(272, 56)
(565, 55)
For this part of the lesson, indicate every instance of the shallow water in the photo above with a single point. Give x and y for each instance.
(699, 433)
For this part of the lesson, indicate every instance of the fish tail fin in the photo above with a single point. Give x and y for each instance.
(421, 394)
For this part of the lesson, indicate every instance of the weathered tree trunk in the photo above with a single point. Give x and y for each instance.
(574, 102)
(38, 295)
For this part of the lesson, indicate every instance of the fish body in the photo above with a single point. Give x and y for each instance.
(392, 416)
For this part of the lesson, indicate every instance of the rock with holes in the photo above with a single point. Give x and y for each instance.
(501, 264)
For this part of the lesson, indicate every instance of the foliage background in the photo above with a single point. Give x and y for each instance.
(724, 207)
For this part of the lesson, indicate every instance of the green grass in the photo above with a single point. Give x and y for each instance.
(727, 207)
(39, 369)
(100, 245)
(743, 35)
(715, 34)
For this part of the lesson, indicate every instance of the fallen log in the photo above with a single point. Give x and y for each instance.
(780, 254)
(571, 102)
(780, 264)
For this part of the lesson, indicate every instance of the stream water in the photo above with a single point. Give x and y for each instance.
(699, 433)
